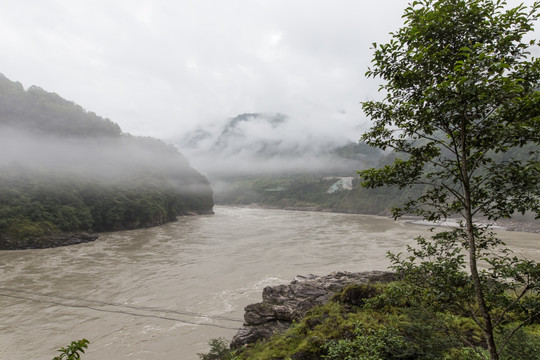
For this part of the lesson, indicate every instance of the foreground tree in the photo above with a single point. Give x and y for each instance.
(462, 107)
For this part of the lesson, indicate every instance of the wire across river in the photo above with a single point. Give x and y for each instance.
(154, 312)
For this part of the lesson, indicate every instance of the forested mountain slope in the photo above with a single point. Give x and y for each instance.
(66, 170)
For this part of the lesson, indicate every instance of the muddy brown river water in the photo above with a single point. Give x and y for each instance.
(161, 293)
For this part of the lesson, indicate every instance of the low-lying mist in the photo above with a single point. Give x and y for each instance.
(267, 144)
(94, 158)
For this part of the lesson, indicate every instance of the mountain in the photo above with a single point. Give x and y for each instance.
(65, 170)
(265, 159)
(266, 143)
(47, 113)
(254, 133)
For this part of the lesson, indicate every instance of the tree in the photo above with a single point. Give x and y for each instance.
(460, 88)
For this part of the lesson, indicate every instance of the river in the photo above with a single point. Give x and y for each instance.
(161, 293)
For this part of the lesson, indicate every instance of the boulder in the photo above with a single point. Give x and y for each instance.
(283, 304)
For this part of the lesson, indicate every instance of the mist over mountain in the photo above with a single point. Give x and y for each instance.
(65, 169)
(267, 144)
(280, 161)
(41, 130)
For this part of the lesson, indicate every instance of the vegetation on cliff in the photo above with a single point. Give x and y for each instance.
(310, 192)
(384, 321)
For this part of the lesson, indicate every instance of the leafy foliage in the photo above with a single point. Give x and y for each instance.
(73, 351)
(461, 92)
(368, 344)
(219, 350)
(393, 322)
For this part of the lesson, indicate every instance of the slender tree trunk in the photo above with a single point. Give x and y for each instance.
(473, 266)
(478, 291)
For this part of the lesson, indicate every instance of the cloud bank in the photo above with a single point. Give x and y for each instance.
(263, 144)
(164, 67)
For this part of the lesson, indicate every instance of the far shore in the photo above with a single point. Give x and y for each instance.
(519, 223)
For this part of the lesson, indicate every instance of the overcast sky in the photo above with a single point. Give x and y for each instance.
(162, 68)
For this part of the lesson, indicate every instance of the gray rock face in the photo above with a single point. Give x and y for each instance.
(284, 304)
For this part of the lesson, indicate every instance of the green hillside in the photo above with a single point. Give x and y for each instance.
(316, 190)
(64, 170)
(45, 112)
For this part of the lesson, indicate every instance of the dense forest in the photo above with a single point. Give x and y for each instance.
(66, 170)
(316, 190)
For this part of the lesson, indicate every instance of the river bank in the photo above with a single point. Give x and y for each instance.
(519, 223)
(58, 239)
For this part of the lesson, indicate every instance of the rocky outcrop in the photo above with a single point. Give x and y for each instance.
(284, 304)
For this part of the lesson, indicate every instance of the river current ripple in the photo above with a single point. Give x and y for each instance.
(161, 293)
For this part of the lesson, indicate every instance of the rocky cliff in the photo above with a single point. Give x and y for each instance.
(284, 304)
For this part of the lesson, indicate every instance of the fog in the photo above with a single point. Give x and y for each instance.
(175, 69)
(98, 158)
(163, 67)
(268, 144)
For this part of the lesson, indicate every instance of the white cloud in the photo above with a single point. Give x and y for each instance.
(161, 67)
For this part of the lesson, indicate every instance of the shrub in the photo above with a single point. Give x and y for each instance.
(72, 351)
(219, 350)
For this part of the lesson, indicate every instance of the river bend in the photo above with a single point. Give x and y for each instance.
(161, 293)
